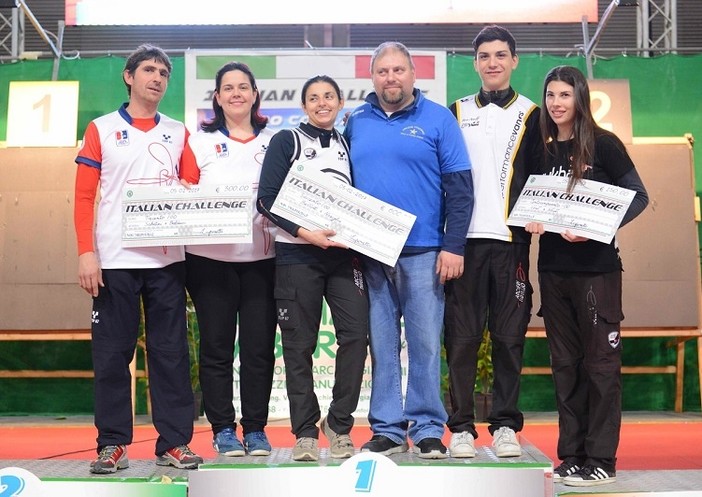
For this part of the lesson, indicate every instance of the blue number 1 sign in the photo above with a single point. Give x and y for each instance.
(365, 471)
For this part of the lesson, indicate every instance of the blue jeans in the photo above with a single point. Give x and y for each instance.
(411, 290)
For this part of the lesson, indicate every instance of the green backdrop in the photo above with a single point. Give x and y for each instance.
(665, 99)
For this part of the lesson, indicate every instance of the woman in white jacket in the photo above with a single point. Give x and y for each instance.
(232, 284)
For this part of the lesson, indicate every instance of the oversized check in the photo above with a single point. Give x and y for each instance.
(199, 215)
(316, 200)
(593, 209)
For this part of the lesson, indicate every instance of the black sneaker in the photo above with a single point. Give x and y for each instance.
(566, 468)
(430, 448)
(589, 476)
(380, 444)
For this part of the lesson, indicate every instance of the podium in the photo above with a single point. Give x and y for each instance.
(366, 473)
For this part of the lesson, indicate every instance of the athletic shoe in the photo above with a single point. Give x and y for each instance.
(566, 468)
(306, 449)
(589, 476)
(226, 443)
(180, 457)
(505, 442)
(380, 444)
(257, 444)
(340, 446)
(430, 448)
(110, 459)
(462, 444)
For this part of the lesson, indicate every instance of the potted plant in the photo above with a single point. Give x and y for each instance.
(194, 350)
(484, 378)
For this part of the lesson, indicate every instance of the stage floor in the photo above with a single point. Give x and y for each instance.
(683, 483)
(633, 483)
(671, 482)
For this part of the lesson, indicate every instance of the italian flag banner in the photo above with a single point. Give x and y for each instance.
(280, 75)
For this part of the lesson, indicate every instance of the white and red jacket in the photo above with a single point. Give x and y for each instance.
(120, 151)
(218, 159)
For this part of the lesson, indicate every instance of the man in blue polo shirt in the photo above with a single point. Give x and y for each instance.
(409, 152)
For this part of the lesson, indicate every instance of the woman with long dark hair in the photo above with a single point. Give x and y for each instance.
(581, 286)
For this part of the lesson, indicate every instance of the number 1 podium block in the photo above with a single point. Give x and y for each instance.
(370, 474)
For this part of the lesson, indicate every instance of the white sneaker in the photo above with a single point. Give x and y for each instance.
(505, 442)
(462, 445)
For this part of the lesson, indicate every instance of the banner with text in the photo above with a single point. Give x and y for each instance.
(280, 75)
(323, 369)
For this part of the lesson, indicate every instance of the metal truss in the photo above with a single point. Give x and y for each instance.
(13, 43)
(656, 29)
(657, 26)
(11, 32)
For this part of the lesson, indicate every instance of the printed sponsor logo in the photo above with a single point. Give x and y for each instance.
(121, 138)
(511, 144)
(358, 275)
(413, 131)
(221, 150)
(592, 306)
(470, 122)
(520, 280)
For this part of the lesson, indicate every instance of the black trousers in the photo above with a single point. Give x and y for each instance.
(116, 313)
(299, 292)
(494, 290)
(582, 314)
(226, 294)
